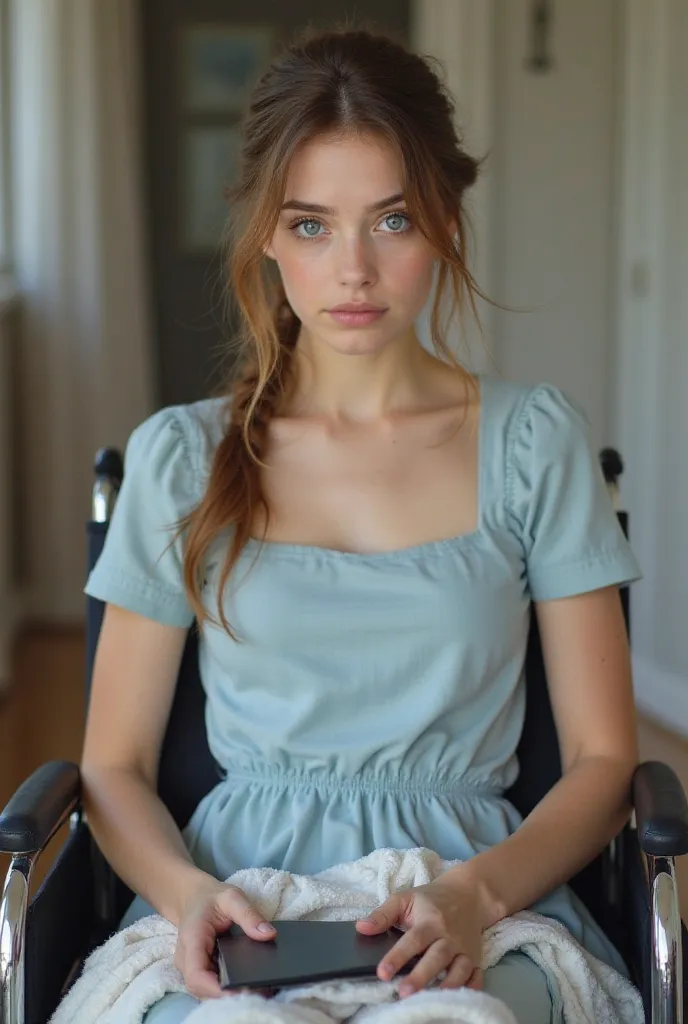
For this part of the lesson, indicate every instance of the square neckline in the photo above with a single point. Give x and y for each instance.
(438, 546)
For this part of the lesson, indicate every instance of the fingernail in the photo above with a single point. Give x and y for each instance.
(265, 927)
(406, 990)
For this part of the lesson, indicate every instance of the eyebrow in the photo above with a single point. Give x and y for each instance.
(296, 204)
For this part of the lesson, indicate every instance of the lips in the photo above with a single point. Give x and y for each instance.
(356, 307)
(350, 315)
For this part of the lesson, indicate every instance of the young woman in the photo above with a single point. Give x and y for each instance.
(361, 528)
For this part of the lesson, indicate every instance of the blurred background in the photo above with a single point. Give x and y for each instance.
(118, 130)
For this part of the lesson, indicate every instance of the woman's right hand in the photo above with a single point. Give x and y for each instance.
(212, 908)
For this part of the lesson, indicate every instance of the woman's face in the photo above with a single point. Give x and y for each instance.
(344, 238)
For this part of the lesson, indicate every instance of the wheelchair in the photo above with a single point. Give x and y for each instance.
(630, 888)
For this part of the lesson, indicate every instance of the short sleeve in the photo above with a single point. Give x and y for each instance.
(559, 502)
(138, 569)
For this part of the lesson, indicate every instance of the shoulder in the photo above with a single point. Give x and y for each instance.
(539, 441)
(530, 418)
(515, 402)
(175, 446)
(554, 494)
(196, 426)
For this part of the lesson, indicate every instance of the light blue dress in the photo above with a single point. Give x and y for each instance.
(375, 699)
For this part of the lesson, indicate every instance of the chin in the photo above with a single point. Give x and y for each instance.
(358, 343)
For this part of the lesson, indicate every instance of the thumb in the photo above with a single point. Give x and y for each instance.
(236, 908)
(387, 914)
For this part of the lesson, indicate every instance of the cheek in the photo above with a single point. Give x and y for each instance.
(409, 275)
(303, 276)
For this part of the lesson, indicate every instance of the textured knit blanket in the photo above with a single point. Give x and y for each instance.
(132, 970)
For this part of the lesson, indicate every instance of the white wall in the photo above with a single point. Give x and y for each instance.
(652, 349)
(553, 156)
(672, 549)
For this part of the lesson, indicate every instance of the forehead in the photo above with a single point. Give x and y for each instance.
(344, 170)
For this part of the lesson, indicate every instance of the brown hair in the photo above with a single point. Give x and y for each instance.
(331, 81)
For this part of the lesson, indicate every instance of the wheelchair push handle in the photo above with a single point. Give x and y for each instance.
(612, 468)
(109, 471)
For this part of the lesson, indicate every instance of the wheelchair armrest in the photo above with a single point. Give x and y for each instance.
(661, 810)
(38, 808)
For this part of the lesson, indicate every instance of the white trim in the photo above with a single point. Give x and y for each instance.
(640, 327)
(6, 238)
(661, 696)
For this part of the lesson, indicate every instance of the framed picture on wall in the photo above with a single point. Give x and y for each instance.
(209, 162)
(220, 64)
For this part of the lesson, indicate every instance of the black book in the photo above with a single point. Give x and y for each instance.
(301, 953)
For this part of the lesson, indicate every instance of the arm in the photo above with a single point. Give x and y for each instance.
(134, 677)
(587, 660)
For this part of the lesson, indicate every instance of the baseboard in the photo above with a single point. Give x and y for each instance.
(661, 696)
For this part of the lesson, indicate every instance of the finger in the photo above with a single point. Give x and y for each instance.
(386, 915)
(194, 958)
(415, 942)
(476, 980)
(437, 957)
(234, 907)
(202, 984)
(461, 971)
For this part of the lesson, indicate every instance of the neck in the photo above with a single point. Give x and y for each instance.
(358, 387)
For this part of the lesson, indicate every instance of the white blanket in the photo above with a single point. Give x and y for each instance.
(135, 968)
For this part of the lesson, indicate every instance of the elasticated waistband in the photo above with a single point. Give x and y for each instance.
(370, 781)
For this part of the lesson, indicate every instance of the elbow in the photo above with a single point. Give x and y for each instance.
(101, 783)
(610, 780)
(614, 775)
(94, 787)
(97, 769)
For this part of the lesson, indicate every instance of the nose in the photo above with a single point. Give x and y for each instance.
(355, 262)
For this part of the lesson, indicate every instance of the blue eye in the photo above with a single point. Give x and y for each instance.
(307, 224)
(397, 222)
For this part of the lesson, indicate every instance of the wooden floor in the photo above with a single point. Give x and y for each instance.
(41, 719)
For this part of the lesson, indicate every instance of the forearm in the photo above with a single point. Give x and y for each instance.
(140, 839)
(566, 830)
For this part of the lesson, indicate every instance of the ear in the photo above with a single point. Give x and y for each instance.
(269, 252)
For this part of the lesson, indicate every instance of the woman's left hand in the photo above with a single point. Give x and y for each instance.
(443, 920)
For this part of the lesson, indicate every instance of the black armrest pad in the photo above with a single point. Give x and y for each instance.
(38, 806)
(661, 810)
